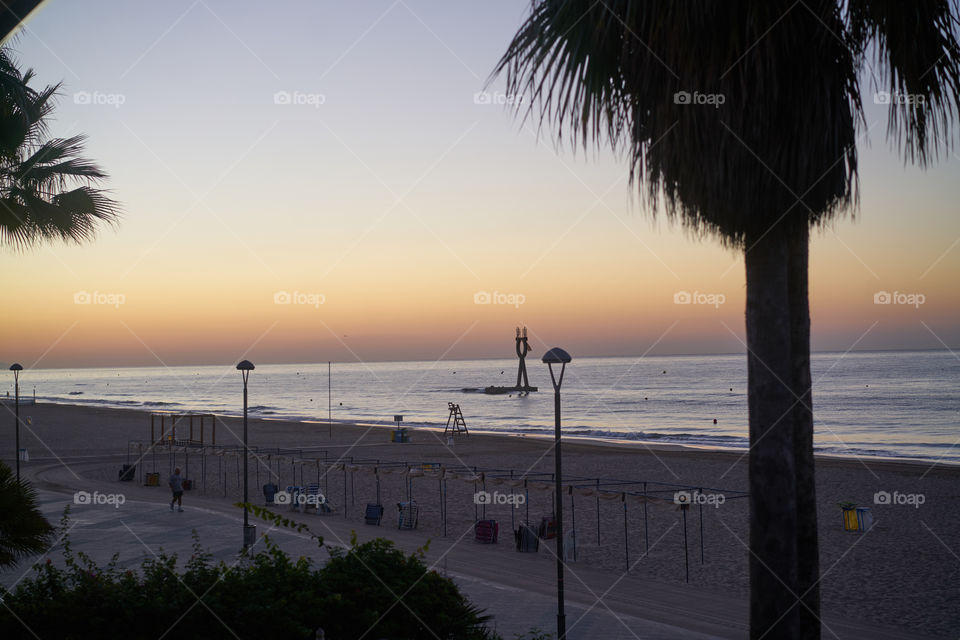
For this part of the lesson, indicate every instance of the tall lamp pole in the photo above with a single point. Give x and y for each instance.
(16, 367)
(561, 357)
(249, 531)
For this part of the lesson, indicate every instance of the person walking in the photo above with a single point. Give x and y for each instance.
(176, 486)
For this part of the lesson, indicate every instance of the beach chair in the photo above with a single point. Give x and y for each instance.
(313, 498)
(527, 539)
(407, 516)
(294, 491)
(373, 514)
(548, 528)
(486, 531)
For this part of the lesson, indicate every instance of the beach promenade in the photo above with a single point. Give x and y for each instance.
(74, 449)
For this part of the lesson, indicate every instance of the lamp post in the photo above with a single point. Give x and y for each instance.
(561, 357)
(16, 367)
(249, 531)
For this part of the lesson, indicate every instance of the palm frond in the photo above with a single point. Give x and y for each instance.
(777, 144)
(915, 47)
(56, 161)
(23, 529)
(40, 200)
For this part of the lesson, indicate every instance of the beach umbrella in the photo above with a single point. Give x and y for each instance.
(740, 121)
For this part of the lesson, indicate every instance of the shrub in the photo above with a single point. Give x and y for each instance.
(265, 595)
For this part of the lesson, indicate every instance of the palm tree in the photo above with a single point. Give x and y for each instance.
(740, 120)
(23, 529)
(47, 189)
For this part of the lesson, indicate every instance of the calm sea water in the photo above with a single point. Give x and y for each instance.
(900, 404)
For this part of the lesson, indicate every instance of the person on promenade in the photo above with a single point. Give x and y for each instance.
(176, 486)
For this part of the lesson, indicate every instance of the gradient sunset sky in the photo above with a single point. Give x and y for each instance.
(337, 156)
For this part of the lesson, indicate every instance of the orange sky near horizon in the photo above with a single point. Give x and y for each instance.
(384, 211)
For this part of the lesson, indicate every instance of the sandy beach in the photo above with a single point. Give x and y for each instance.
(904, 574)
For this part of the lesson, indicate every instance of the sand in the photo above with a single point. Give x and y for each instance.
(903, 574)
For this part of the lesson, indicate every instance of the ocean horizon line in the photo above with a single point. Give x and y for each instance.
(480, 359)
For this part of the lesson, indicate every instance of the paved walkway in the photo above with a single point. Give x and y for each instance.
(518, 590)
(139, 529)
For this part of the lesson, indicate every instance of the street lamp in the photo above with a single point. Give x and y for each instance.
(16, 367)
(249, 530)
(552, 357)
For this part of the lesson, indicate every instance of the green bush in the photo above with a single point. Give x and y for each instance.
(266, 595)
(375, 591)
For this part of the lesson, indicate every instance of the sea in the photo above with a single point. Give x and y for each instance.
(896, 404)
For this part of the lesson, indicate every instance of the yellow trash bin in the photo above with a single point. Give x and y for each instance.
(850, 519)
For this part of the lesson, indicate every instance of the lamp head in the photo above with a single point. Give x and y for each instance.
(556, 356)
(245, 365)
(16, 366)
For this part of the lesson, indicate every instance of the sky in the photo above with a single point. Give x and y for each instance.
(338, 181)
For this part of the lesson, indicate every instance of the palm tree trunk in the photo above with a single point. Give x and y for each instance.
(773, 488)
(808, 551)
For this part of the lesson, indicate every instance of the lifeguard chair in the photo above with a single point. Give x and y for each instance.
(456, 418)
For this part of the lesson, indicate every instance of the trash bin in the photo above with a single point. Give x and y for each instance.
(269, 491)
(849, 519)
(399, 435)
(864, 519)
(152, 480)
(127, 472)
